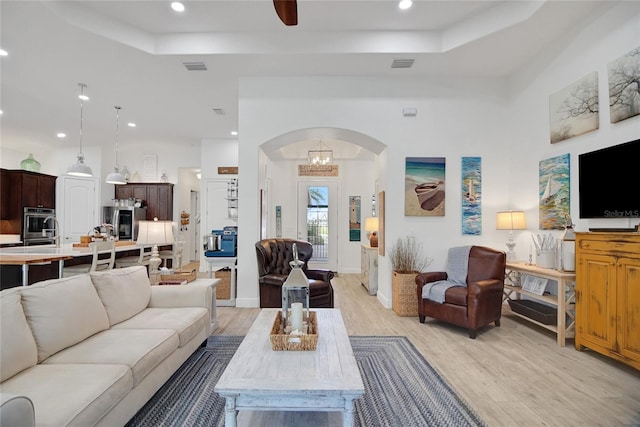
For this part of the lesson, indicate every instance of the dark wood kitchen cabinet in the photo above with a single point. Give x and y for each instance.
(28, 189)
(38, 190)
(157, 197)
(22, 189)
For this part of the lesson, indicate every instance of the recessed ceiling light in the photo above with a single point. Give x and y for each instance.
(3, 52)
(131, 125)
(61, 135)
(177, 6)
(0, 112)
(234, 132)
(405, 4)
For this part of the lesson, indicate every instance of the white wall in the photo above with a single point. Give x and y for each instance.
(454, 120)
(504, 122)
(611, 36)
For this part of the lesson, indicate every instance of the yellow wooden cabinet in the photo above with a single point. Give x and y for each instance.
(608, 295)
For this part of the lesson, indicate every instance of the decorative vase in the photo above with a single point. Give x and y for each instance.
(373, 240)
(30, 164)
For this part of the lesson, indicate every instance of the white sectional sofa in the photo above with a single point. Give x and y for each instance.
(93, 349)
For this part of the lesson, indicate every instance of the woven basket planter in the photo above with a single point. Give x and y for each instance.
(404, 298)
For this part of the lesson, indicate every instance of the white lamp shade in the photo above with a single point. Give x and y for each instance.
(155, 232)
(116, 177)
(79, 168)
(371, 224)
(511, 220)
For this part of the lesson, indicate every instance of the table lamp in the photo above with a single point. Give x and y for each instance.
(155, 233)
(371, 227)
(511, 220)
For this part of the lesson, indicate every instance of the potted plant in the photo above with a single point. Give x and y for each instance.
(407, 260)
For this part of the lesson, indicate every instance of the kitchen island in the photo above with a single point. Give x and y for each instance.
(24, 257)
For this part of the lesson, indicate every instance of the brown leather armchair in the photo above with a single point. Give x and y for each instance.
(476, 305)
(273, 269)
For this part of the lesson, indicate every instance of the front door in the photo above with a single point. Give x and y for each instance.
(317, 221)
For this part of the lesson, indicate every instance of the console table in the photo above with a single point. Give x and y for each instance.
(564, 300)
(369, 268)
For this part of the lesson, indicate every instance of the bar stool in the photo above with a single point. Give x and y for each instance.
(97, 263)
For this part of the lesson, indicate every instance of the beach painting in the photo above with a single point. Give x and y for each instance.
(553, 187)
(471, 196)
(424, 186)
(354, 218)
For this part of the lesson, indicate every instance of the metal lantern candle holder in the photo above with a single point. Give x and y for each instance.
(295, 289)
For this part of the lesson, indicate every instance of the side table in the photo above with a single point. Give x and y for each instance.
(222, 262)
(564, 300)
(212, 283)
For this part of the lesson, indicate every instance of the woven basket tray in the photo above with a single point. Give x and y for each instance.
(189, 276)
(281, 341)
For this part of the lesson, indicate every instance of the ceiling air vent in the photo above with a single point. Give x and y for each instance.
(195, 66)
(218, 111)
(402, 63)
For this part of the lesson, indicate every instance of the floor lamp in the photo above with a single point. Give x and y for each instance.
(511, 220)
(155, 233)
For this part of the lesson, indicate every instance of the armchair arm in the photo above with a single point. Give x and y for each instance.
(484, 302)
(272, 279)
(484, 287)
(324, 275)
(431, 276)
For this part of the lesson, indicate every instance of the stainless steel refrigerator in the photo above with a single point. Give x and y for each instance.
(124, 220)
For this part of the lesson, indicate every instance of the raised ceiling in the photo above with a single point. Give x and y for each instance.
(131, 53)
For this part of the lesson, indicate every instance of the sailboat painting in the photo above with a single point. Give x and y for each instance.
(471, 196)
(554, 192)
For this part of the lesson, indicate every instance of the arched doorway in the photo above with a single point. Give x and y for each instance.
(324, 223)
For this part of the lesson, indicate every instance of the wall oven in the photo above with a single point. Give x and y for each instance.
(34, 226)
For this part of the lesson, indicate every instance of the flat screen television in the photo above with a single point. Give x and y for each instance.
(609, 181)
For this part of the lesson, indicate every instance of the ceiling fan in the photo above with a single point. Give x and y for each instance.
(287, 11)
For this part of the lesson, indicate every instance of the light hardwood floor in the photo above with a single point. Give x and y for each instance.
(514, 375)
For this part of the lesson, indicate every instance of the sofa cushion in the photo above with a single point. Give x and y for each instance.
(139, 349)
(186, 321)
(124, 292)
(18, 349)
(77, 395)
(63, 312)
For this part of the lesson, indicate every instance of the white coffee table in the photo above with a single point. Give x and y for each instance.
(326, 379)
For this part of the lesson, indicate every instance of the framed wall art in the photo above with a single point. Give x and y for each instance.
(624, 97)
(381, 214)
(554, 192)
(354, 218)
(424, 189)
(471, 205)
(574, 110)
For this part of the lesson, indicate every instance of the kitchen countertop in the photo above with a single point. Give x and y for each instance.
(66, 249)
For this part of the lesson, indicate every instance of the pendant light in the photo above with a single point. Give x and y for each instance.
(116, 177)
(79, 168)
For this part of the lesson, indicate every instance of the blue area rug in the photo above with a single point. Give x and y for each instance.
(401, 388)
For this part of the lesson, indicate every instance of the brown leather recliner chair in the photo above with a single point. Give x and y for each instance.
(476, 305)
(273, 269)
